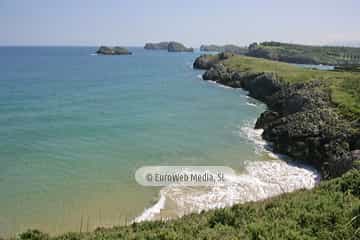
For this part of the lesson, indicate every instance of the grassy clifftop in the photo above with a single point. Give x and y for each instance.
(309, 109)
(330, 211)
(344, 86)
(297, 53)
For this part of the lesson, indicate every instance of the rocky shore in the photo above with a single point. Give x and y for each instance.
(301, 120)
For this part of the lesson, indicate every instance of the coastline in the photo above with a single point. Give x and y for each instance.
(309, 197)
(301, 121)
(260, 180)
(232, 130)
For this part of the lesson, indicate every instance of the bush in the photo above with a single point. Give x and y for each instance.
(350, 182)
(33, 235)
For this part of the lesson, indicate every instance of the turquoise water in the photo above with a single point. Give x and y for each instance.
(74, 127)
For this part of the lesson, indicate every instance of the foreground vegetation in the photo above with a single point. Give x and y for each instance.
(344, 86)
(297, 53)
(330, 211)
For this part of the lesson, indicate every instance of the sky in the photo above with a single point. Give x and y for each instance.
(192, 22)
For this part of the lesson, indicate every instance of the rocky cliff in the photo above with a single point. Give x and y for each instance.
(207, 61)
(301, 121)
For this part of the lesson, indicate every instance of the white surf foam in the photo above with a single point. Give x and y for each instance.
(254, 135)
(251, 104)
(261, 146)
(219, 85)
(199, 76)
(260, 180)
(151, 212)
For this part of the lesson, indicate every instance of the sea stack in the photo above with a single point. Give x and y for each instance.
(103, 50)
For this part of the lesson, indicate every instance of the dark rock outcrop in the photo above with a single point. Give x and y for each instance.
(178, 47)
(265, 118)
(356, 141)
(300, 122)
(103, 50)
(261, 86)
(314, 136)
(219, 74)
(299, 97)
(207, 61)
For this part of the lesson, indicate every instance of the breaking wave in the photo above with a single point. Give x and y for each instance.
(258, 181)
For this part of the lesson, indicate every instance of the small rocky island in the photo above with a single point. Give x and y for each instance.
(178, 47)
(169, 46)
(103, 50)
(156, 46)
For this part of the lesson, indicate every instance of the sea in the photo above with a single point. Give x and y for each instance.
(75, 127)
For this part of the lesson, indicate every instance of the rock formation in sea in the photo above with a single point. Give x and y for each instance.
(103, 50)
(157, 46)
(170, 46)
(178, 47)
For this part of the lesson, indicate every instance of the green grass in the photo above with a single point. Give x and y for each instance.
(330, 211)
(344, 86)
(330, 55)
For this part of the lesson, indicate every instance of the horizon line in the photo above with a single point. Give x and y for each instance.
(344, 44)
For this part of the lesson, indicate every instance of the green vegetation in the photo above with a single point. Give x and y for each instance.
(348, 67)
(224, 48)
(297, 53)
(330, 211)
(343, 85)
